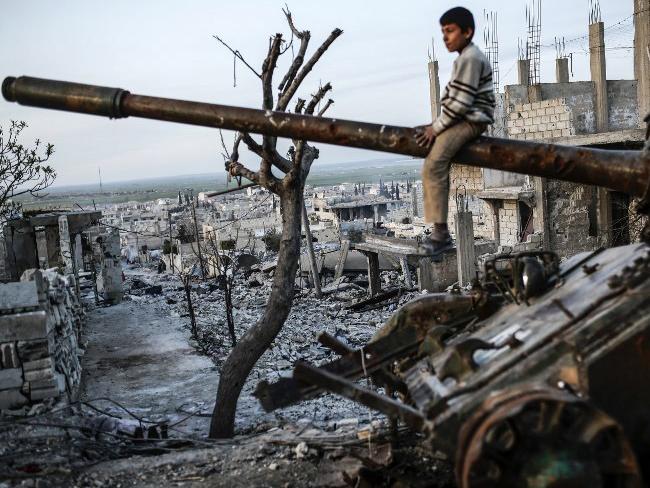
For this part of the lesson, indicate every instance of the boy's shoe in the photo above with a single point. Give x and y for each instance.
(435, 245)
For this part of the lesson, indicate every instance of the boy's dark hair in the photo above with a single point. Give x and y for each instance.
(459, 16)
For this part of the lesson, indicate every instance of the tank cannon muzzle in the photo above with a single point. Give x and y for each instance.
(63, 95)
(621, 170)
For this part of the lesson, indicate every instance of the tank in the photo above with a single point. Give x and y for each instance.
(539, 375)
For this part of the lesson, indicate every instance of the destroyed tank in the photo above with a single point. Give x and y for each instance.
(539, 375)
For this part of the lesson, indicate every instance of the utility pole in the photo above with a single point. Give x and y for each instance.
(196, 233)
(171, 241)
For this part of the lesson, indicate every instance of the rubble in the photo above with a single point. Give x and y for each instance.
(41, 320)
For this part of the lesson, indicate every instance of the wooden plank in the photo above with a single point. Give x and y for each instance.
(406, 272)
(425, 275)
(465, 253)
(374, 278)
(343, 257)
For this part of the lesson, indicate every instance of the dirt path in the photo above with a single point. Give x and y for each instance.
(139, 356)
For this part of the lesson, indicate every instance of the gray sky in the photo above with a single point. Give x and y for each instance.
(165, 48)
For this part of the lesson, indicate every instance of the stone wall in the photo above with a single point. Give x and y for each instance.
(40, 324)
(572, 214)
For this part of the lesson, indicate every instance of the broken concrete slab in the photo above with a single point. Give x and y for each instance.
(24, 326)
(19, 296)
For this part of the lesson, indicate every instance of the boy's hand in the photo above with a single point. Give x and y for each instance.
(424, 135)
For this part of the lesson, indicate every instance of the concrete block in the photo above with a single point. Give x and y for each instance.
(535, 106)
(39, 374)
(11, 378)
(18, 296)
(553, 118)
(43, 393)
(526, 107)
(24, 326)
(541, 111)
(525, 115)
(548, 134)
(566, 133)
(37, 349)
(557, 133)
(564, 117)
(518, 107)
(560, 110)
(545, 119)
(545, 103)
(38, 364)
(9, 355)
(12, 399)
(562, 125)
(519, 123)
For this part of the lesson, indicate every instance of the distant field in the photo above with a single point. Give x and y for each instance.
(151, 189)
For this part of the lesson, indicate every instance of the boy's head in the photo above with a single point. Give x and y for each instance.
(457, 28)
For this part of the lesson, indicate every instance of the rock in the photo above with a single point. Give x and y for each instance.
(153, 290)
(301, 450)
(273, 466)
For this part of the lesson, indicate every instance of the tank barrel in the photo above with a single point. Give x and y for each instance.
(621, 170)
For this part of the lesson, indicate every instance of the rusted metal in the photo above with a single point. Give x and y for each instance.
(625, 171)
(533, 435)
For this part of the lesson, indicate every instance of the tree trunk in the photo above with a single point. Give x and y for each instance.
(315, 275)
(259, 337)
(190, 307)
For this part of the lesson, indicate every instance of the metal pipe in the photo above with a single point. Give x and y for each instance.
(621, 170)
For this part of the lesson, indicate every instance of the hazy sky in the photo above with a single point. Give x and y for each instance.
(165, 48)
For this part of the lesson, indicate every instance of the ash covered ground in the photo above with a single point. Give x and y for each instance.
(143, 369)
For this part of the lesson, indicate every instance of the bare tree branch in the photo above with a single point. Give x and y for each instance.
(290, 91)
(327, 105)
(237, 55)
(317, 97)
(300, 104)
(304, 37)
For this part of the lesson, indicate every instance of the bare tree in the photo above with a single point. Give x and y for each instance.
(22, 169)
(223, 258)
(290, 188)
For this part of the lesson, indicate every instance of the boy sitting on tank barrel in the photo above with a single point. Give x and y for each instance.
(467, 109)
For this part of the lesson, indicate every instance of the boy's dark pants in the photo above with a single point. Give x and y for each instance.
(435, 172)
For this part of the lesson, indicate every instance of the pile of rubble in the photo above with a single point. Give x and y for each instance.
(40, 322)
(341, 313)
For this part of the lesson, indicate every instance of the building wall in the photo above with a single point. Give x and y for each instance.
(623, 107)
(541, 120)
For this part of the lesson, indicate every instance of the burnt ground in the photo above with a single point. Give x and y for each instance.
(142, 370)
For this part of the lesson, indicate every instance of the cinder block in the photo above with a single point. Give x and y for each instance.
(528, 122)
(557, 133)
(527, 107)
(553, 118)
(560, 110)
(9, 355)
(11, 378)
(535, 106)
(519, 107)
(564, 117)
(548, 134)
(38, 364)
(37, 349)
(12, 399)
(42, 393)
(545, 119)
(525, 115)
(561, 125)
(24, 326)
(541, 111)
(566, 133)
(545, 103)
(39, 374)
(519, 123)
(549, 111)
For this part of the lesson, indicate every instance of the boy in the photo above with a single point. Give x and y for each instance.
(467, 109)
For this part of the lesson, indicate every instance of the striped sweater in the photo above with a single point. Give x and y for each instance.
(469, 95)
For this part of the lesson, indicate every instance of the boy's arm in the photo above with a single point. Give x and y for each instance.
(461, 93)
